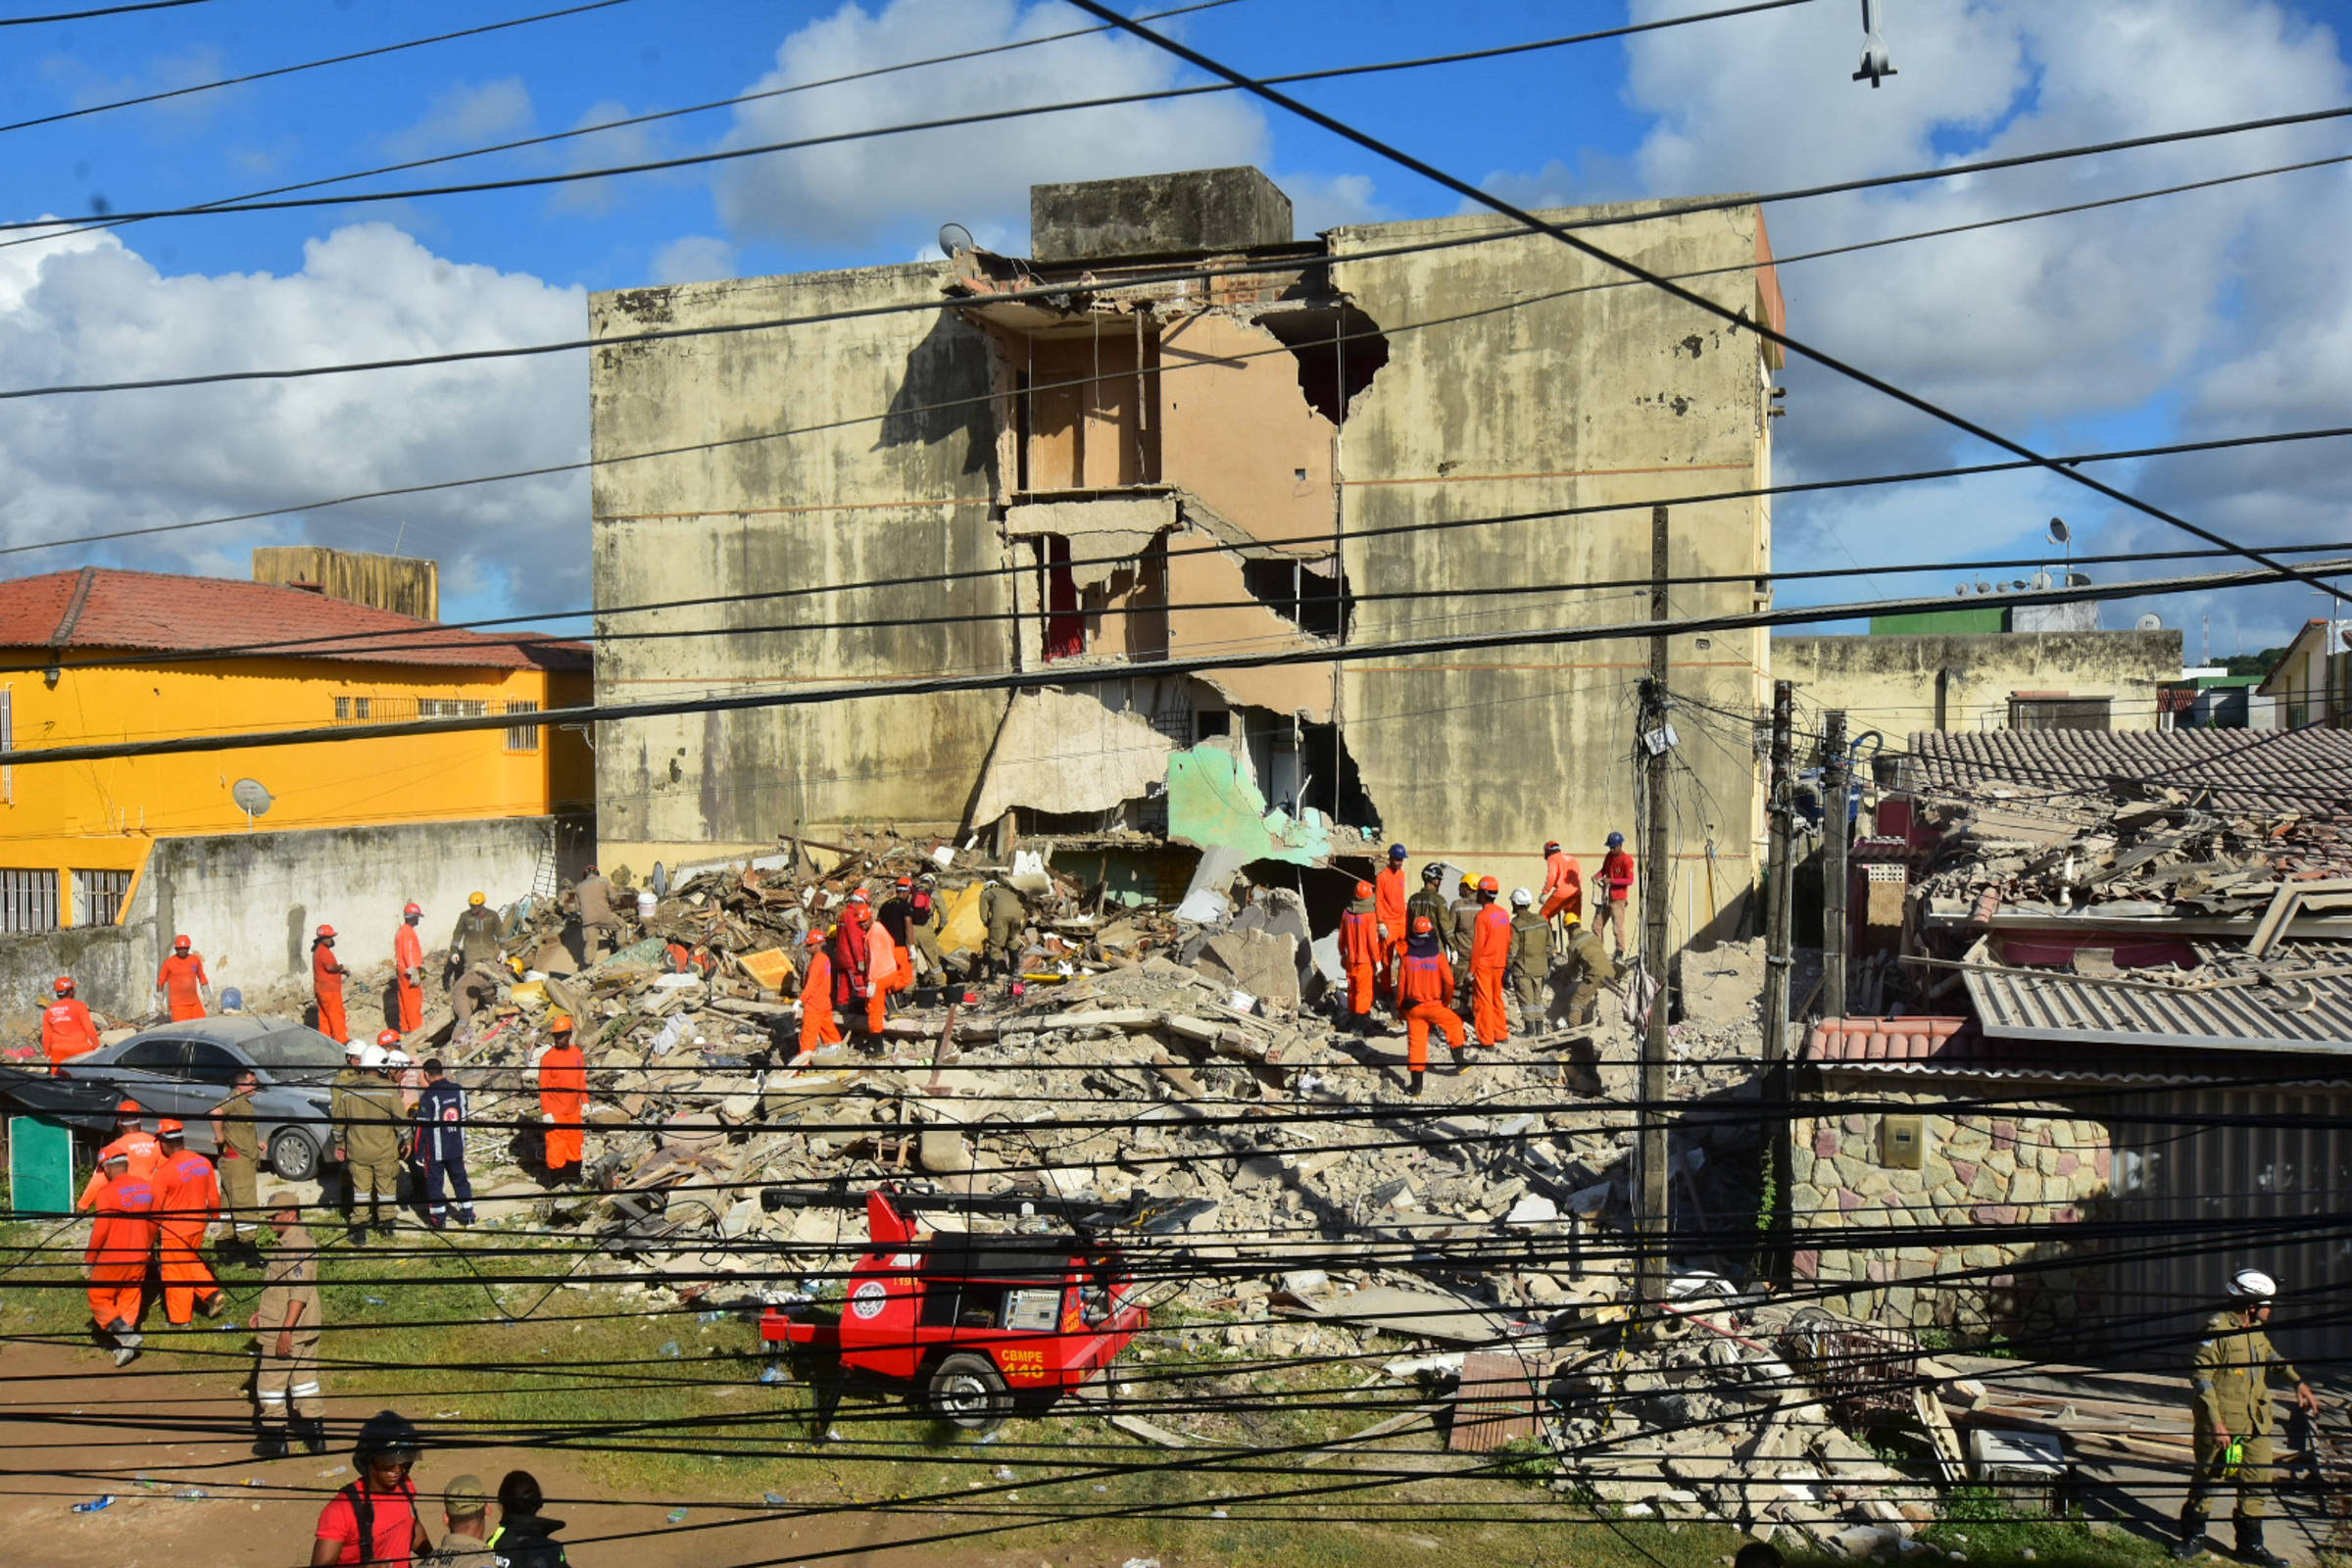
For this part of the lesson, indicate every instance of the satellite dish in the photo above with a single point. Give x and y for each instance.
(1962, 590)
(2151, 622)
(953, 240)
(2041, 579)
(2018, 583)
(2059, 533)
(1982, 586)
(251, 797)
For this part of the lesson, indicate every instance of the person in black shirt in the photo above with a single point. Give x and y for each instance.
(523, 1538)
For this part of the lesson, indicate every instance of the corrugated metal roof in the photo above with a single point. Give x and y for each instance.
(2300, 769)
(2302, 1016)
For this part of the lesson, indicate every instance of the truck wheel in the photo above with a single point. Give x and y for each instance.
(293, 1156)
(968, 1393)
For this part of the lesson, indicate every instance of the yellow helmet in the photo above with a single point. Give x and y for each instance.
(477, 898)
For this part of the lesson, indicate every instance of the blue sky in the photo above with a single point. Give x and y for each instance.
(2218, 313)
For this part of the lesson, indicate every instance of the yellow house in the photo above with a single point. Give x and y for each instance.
(100, 655)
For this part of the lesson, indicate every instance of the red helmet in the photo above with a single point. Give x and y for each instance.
(1487, 884)
(1421, 925)
(168, 1128)
(130, 1107)
(181, 942)
(63, 986)
(815, 939)
(1549, 845)
(1364, 889)
(413, 908)
(388, 1039)
(326, 931)
(905, 881)
(858, 897)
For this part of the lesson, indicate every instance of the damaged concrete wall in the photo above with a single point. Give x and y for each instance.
(1062, 751)
(1237, 431)
(1214, 803)
(1242, 625)
(1903, 682)
(1610, 394)
(738, 512)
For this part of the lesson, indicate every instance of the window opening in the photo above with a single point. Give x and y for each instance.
(522, 737)
(28, 901)
(98, 897)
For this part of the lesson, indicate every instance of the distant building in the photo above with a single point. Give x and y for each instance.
(247, 851)
(2214, 699)
(2312, 683)
(1956, 679)
(408, 586)
(1168, 458)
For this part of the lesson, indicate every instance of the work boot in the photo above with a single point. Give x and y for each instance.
(2250, 1547)
(312, 1433)
(376, 1220)
(126, 1336)
(2193, 1537)
(1460, 1059)
(465, 1215)
(269, 1442)
(211, 1305)
(125, 1354)
(1413, 1084)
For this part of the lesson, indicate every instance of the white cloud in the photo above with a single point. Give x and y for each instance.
(694, 259)
(84, 306)
(902, 187)
(2191, 314)
(1320, 202)
(467, 115)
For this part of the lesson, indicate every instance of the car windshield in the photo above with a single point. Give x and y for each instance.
(292, 1052)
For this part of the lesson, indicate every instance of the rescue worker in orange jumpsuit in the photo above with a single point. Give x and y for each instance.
(1388, 896)
(67, 1031)
(563, 1101)
(887, 969)
(134, 1142)
(1360, 951)
(183, 980)
(187, 1200)
(1490, 956)
(848, 951)
(122, 1236)
(1563, 884)
(408, 972)
(818, 1027)
(326, 984)
(1424, 989)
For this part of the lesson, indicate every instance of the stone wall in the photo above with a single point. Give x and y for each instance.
(2021, 1165)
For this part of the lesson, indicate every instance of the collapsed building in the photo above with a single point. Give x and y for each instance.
(1171, 434)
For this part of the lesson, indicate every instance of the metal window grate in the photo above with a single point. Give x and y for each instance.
(451, 707)
(98, 897)
(522, 737)
(356, 711)
(28, 901)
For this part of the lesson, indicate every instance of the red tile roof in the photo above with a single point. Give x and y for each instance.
(103, 608)
(1936, 1047)
(1883, 1039)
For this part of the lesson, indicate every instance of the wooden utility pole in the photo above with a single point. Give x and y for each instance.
(1656, 739)
(1836, 790)
(1780, 807)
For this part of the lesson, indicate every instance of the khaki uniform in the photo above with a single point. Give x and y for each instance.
(598, 924)
(239, 1162)
(1530, 964)
(476, 988)
(1596, 969)
(1457, 931)
(1004, 912)
(2235, 1369)
(289, 1382)
(476, 936)
(370, 1115)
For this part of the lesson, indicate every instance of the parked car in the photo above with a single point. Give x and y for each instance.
(184, 1069)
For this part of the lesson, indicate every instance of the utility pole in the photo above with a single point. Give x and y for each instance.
(1658, 739)
(1837, 790)
(1779, 799)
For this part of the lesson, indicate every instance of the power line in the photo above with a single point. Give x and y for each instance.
(288, 70)
(1699, 301)
(105, 11)
(987, 117)
(1100, 674)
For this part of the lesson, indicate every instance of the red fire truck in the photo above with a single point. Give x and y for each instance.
(978, 1322)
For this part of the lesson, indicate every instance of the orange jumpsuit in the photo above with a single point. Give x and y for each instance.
(180, 977)
(121, 1238)
(67, 1031)
(326, 984)
(1360, 952)
(1563, 885)
(407, 958)
(818, 1027)
(887, 969)
(1389, 895)
(146, 1153)
(1424, 989)
(187, 1200)
(564, 1097)
(1490, 956)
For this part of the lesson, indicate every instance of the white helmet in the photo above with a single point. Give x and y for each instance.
(1521, 899)
(354, 1048)
(2253, 1285)
(372, 1057)
(399, 1058)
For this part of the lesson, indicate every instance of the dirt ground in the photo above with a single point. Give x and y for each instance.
(246, 1516)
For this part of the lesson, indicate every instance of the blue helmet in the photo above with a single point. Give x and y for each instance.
(1616, 840)
(1397, 852)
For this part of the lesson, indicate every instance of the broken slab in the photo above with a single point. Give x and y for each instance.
(1214, 803)
(1060, 750)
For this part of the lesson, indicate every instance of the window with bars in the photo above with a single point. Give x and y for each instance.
(355, 709)
(451, 707)
(522, 737)
(28, 901)
(98, 897)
